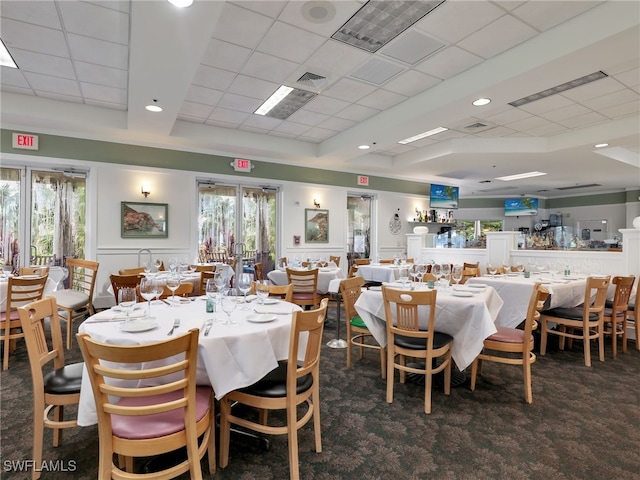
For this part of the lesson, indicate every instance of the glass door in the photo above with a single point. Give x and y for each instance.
(237, 221)
(10, 187)
(359, 227)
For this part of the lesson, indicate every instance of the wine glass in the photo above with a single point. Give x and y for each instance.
(147, 268)
(158, 290)
(520, 267)
(436, 270)
(173, 283)
(492, 270)
(422, 269)
(173, 264)
(414, 271)
(446, 273)
(404, 276)
(244, 285)
(148, 292)
(228, 303)
(157, 262)
(126, 300)
(262, 290)
(456, 274)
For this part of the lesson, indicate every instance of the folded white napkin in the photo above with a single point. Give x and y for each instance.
(115, 315)
(276, 309)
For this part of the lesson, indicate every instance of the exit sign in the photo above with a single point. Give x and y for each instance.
(241, 165)
(363, 180)
(25, 141)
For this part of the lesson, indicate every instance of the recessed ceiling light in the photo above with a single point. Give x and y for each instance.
(181, 3)
(273, 100)
(601, 145)
(364, 147)
(284, 102)
(520, 176)
(6, 60)
(482, 101)
(153, 108)
(423, 135)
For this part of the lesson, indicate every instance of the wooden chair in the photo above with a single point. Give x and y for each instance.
(305, 287)
(353, 269)
(357, 330)
(34, 270)
(258, 273)
(362, 261)
(285, 292)
(476, 265)
(204, 276)
(513, 346)
(587, 319)
(131, 271)
(205, 268)
(468, 273)
(20, 291)
(122, 281)
(334, 259)
(184, 290)
(386, 261)
(57, 388)
(633, 320)
(143, 421)
(615, 317)
(283, 388)
(406, 338)
(76, 301)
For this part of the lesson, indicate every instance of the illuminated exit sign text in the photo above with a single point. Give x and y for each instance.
(25, 141)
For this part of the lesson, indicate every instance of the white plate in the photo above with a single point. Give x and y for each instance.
(270, 301)
(261, 318)
(460, 293)
(475, 285)
(138, 326)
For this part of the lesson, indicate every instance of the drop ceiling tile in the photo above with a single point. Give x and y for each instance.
(12, 77)
(205, 96)
(448, 63)
(42, 13)
(33, 38)
(239, 103)
(318, 133)
(496, 132)
(215, 123)
(410, 83)
(593, 90)
(291, 128)
(241, 27)
(275, 133)
(111, 77)
(611, 99)
(45, 64)
(247, 128)
(119, 5)
(215, 78)
(96, 51)
(349, 90)
(271, 8)
(60, 96)
(252, 87)
(14, 89)
(287, 41)
(501, 35)
(423, 142)
(411, 47)
(95, 21)
(453, 21)
(630, 78)
(267, 67)
(583, 120)
(307, 118)
(565, 112)
(45, 83)
(544, 15)
(526, 124)
(376, 71)
(195, 110)
(326, 105)
(337, 124)
(622, 110)
(546, 130)
(225, 55)
(357, 113)
(381, 99)
(104, 93)
(508, 116)
(335, 57)
(112, 106)
(232, 117)
(547, 104)
(261, 121)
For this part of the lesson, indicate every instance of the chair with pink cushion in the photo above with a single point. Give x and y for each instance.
(514, 346)
(143, 421)
(305, 287)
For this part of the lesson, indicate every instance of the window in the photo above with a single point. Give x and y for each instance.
(359, 227)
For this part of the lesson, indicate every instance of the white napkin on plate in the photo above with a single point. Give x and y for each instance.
(116, 315)
(277, 309)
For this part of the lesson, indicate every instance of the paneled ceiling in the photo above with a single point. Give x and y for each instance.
(87, 69)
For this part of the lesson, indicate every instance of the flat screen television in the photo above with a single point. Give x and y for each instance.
(516, 207)
(443, 196)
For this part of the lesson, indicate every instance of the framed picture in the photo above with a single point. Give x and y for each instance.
(144, 220)
(316, 225)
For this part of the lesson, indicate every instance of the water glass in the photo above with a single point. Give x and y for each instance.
(127, 299)
(262, 290)
(229, 303)
(148, 291)
(456, 274)
(173, 283)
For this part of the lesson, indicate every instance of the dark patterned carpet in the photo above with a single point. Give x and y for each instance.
(583, 424)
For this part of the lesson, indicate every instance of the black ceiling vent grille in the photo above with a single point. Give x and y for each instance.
(587, 185)
(312, 80)
(476, 125)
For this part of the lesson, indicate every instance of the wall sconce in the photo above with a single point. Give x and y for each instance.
(316, 203)
(145, 190)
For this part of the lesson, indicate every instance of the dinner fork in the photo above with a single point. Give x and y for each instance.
(176, 324)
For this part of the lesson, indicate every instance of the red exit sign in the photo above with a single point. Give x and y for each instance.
(363, 180)
(25, 141)
(241, 165)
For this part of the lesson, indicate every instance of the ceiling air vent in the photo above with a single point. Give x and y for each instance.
(587, 185)
(475, 125)
(312, 80)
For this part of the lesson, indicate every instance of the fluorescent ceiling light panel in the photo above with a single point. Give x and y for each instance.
(6, 60)
(520, 176)
(423, 135)
(379, 22)
(284, 102)
(592, 77)
(273, 100)
(181, 3)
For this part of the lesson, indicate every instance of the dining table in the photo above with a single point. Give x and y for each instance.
(325, 276)
(466, 313)
(49, 287)
(230, 356)
(515, 290)
(380, 272)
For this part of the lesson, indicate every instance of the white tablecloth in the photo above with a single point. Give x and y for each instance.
(379, 273)
(49, 288)
(230, 357)
(515, 291)
(325, 276)
(469, 320)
